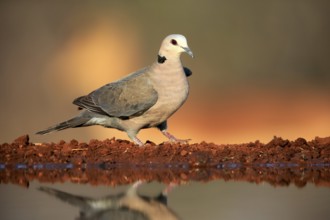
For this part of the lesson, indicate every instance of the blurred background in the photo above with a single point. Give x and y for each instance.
(261, 68)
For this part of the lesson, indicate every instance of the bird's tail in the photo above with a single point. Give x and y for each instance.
(79, 201)
(71, 123)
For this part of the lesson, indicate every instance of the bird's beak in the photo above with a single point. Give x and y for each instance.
(188, 51)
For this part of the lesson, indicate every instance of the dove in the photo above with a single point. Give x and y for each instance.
(126, 205)
(143, 99)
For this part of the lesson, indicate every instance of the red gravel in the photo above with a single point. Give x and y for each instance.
(203, 154)
(96, 161)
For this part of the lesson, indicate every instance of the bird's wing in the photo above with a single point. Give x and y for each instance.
(129, 97)
(187, 71)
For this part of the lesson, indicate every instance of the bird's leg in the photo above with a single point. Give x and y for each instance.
(132, 136)
(169, 136)
(174, 139)
(137, 184)
(132, 190)
(169, 188)
(163, 126)
(137, 141)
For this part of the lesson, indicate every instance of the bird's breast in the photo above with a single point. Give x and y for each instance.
(173, 89)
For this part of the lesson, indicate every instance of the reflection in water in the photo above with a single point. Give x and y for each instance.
(123, 206)
(274, 174)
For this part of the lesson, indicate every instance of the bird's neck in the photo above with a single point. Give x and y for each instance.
(169, 71)
(167, 54)
(164, 58)
(168, 63)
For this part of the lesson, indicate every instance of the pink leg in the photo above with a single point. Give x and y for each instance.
(174, 139)
(137, 184)
(137, 141)
(169, 188)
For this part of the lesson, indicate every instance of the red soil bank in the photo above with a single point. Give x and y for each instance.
(113, 162)
(112, 151)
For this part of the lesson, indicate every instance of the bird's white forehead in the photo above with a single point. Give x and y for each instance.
(178, 37)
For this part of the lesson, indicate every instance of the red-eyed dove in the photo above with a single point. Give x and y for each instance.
(143, 99)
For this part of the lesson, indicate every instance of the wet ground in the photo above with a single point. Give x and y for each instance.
(100, 179)
(279, 162)
(112, 151)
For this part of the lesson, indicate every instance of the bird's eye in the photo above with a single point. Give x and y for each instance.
(174, 42)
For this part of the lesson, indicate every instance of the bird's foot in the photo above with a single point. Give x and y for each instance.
(174, 139)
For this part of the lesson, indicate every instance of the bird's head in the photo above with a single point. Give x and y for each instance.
(173, 45)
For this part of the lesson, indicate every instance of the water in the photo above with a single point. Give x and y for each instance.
(228, 192)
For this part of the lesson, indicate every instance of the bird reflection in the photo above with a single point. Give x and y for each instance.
(124, 206)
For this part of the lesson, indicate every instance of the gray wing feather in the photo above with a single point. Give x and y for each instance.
(129, 97)
(86, 102)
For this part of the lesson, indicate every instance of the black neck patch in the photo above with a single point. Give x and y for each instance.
(161, 59)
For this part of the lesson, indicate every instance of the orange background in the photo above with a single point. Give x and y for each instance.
(261, 68)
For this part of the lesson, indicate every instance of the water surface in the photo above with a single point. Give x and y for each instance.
(222, 198)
